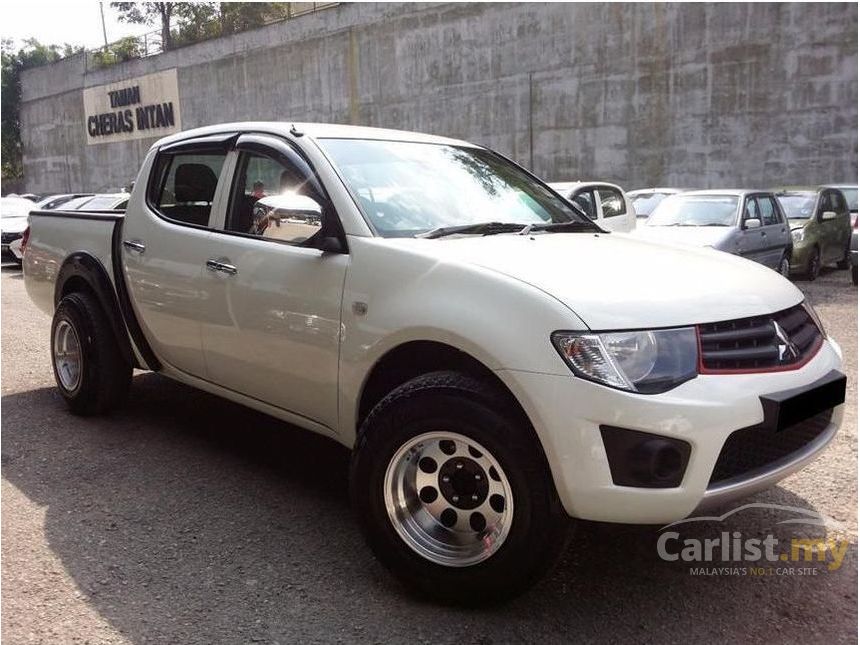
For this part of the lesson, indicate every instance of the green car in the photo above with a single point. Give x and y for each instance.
(820, 228)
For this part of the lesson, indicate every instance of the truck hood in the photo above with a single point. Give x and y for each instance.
(618, 281)
(693, 235)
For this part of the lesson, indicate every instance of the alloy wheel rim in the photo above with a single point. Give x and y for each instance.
(67, 356)
(448, 498)
(784, 267)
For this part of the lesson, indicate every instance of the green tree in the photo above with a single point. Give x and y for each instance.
(32, 54)
(149, 13)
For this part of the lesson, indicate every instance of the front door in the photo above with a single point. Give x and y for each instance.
(276, 337)
(751, 241)
(165, 244)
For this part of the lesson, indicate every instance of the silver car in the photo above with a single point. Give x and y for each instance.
(749, 223)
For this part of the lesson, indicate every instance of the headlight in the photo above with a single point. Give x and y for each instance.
(648, 362)
(797, 234)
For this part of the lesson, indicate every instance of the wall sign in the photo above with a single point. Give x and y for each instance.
(136, 108)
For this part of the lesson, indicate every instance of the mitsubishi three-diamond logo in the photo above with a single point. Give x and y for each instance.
(788, 351)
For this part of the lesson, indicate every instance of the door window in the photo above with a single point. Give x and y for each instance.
(611, 201)
(585, 200)
(750, 210)
(768, 212)
(184, 186)
(269, 201)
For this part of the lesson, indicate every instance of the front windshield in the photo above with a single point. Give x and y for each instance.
(695, 210)
(15, 207)
(797, 205)
(408, 188)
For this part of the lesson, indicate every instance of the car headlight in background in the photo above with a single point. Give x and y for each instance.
(797, 234)
(648, 362)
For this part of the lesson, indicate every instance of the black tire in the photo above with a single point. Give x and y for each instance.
(784, 268)
(854, 275)
(813, 268)
(845, 262)
(469, 407)
(105, 374)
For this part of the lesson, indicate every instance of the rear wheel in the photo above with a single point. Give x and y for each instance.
(813, 267)
(854, 275)
(89, 368)
(845, 262)
(453, 493)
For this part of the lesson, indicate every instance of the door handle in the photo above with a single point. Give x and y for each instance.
(134, 245)
(217, 265)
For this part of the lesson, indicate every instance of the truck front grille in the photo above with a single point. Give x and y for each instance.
(751, 448)
(780, 341)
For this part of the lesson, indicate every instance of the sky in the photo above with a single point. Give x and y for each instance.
(56, 23)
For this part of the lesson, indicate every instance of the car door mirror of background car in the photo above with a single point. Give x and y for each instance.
(753, 222)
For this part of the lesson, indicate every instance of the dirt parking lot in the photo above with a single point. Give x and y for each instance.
(187, 519)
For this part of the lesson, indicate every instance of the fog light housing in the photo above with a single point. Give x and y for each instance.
(644, 460)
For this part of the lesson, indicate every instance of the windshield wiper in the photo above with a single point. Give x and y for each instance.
(484, 228)
(573, 226)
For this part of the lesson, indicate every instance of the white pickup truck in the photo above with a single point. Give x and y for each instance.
(497, 363)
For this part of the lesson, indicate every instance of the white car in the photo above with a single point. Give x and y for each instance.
(645, 200)
(13, 222)
(496, 363)
(604, 203)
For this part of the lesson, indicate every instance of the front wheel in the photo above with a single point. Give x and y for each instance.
(785, 266)
(453, 493)
(813, 268)
(89, 368)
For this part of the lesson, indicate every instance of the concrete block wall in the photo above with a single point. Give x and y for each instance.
(699, 95)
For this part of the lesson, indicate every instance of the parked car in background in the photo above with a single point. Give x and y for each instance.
(748, 223)
(55, 201)
(820, 228)
(13, 222)
(105, 202)
(854, 254)
(603, 202)
(645, 200)
(850, 193)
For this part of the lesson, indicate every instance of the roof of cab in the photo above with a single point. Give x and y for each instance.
(313, 130)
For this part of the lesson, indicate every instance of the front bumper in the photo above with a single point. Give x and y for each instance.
(567, 413)
(800, 254)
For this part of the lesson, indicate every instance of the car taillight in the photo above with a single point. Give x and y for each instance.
(25, 237)
(854, 220)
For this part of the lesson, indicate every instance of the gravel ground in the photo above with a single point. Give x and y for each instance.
(187, 519)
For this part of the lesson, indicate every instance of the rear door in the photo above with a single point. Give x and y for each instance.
(275, 298)
(165, 245)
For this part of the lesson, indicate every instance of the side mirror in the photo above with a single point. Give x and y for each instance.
(828, 215)
(755, 222)
(289, 216)
(332, 244)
